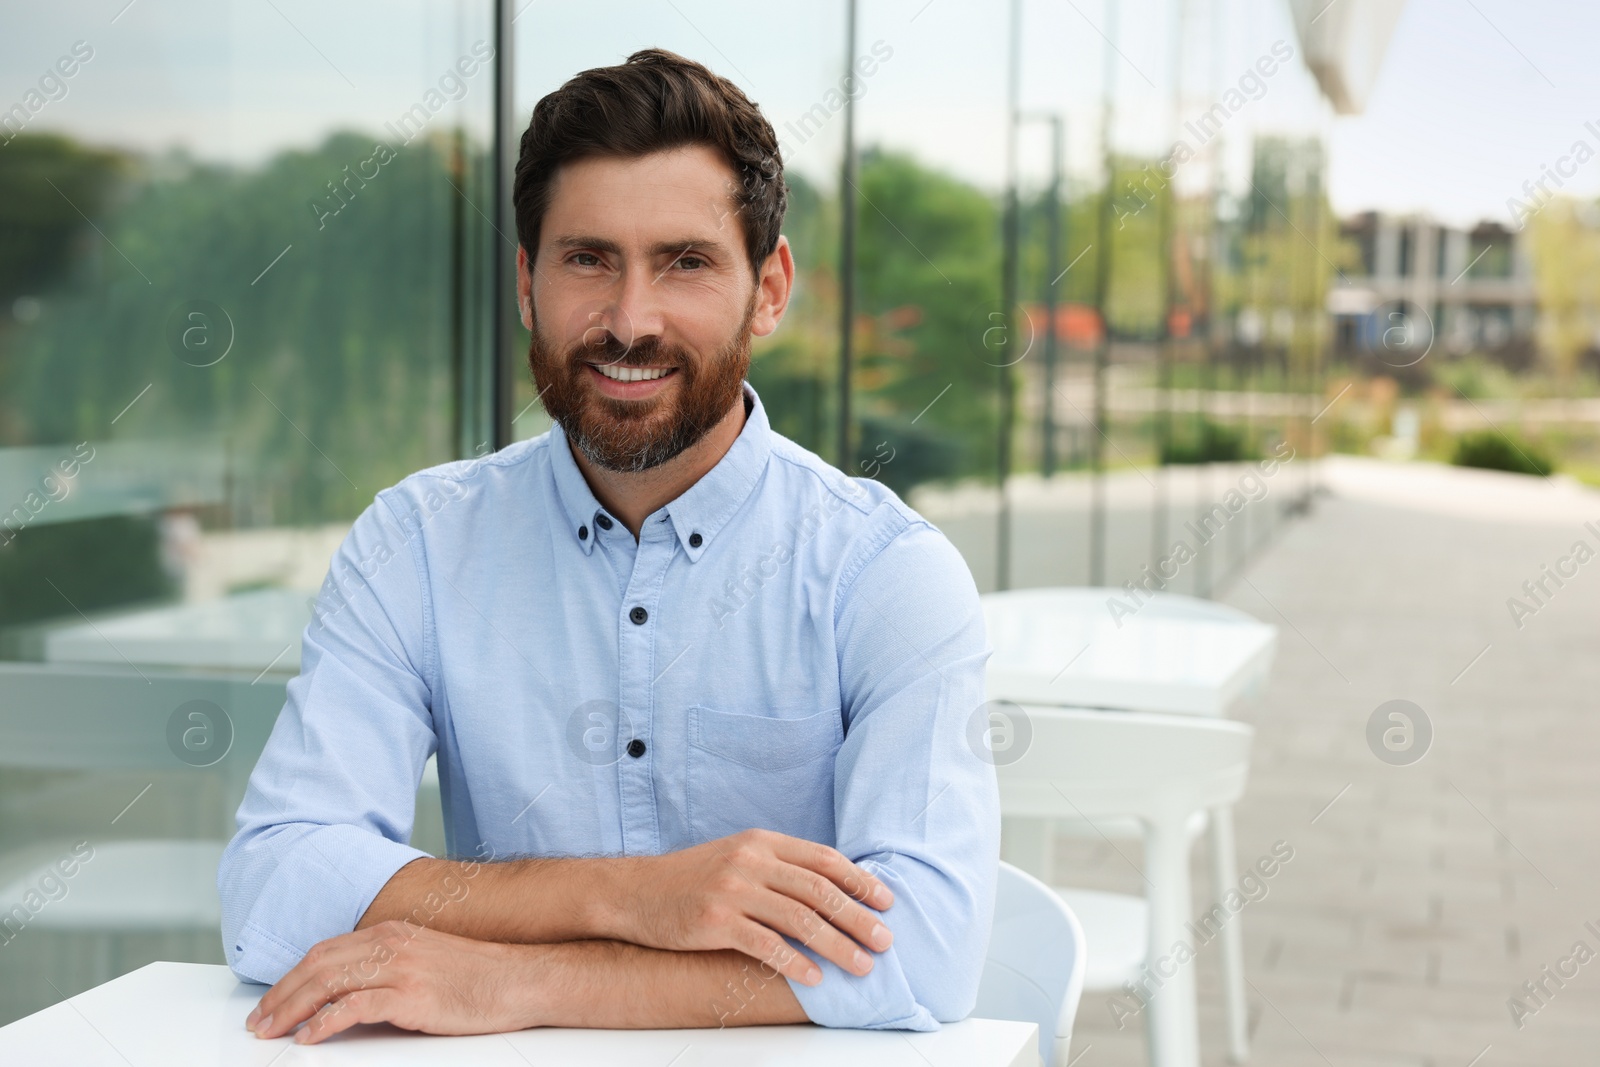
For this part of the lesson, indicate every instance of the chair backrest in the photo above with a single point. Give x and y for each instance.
(1034, 970)
(1081, 764)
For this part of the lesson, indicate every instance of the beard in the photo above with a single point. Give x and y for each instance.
(630, 436)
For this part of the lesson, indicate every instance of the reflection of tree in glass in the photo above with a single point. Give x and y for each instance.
(350, 334)
(41, 236)
(352, 331)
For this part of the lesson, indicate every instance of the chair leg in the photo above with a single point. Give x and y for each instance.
(1224, 868)
(1028, 843)
(1173, 1019)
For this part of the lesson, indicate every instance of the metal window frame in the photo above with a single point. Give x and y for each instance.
(486, 248)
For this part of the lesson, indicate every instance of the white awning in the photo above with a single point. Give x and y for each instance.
(1343, 42)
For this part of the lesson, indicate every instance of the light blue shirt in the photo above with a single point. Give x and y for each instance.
(783, 647)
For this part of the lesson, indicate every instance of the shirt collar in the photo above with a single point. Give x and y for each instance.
(698, 514)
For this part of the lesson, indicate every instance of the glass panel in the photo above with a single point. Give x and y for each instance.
(239, 278)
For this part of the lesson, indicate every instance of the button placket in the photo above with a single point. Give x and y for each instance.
(636, 645)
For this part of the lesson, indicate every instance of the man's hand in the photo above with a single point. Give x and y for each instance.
(412, 977)
(744, 891)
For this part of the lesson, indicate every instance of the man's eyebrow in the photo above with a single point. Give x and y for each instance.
(659, 248)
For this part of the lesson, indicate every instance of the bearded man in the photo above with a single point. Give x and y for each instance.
(699, 701)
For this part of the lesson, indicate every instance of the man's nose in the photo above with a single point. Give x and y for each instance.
(637, 308)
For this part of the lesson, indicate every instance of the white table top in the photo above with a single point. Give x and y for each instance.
(243, 632)
(182, 1014)
(1173, 654)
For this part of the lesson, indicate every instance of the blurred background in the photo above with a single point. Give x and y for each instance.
(1291, 303)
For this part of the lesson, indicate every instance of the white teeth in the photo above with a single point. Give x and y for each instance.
(631, 374)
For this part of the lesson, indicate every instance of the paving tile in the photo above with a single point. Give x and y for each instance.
(1422, 897)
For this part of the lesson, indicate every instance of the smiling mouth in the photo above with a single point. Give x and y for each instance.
(632, 374)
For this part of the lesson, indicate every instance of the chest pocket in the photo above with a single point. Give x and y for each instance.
(760, 772)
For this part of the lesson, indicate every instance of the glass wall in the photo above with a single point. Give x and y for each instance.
(241, 271)
(1156, 354)
(245, 283)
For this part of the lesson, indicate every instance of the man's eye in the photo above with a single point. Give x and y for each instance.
(691, 262)
(586, 259)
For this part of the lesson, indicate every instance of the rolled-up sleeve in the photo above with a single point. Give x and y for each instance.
(330, 805)
(915, 801)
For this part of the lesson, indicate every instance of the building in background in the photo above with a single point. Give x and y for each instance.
(1415, 286)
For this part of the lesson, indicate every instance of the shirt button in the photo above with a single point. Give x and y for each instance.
(639, 616)
(583, 533)
(694, 540)
(636, 748)
(603, 521)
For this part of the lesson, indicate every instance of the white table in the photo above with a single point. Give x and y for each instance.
(1163, 653)
(1174, 655)
(181, 1014)
(246, 632)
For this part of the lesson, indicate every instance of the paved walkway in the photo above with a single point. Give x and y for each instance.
(1420, 897)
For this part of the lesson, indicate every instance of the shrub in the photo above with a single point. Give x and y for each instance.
(1210, 442)
(1493, 450)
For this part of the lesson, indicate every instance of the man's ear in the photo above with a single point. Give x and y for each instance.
(525, 288)
(773, 287)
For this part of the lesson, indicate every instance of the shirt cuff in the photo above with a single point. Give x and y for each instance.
(881, 1000)
(319, 890)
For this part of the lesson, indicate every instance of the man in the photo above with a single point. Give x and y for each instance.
(699, 701)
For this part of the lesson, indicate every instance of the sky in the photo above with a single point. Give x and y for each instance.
(1473, 99)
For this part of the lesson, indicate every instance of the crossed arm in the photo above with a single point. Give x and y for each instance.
(690, 938)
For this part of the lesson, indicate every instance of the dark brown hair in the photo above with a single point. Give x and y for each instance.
(657, 100)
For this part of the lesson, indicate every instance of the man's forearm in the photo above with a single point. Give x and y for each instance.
(537, 901)
(617, 986)
(746, 893)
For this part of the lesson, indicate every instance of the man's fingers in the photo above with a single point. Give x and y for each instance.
(788, 916)
(297, 1006)
(284, 987)
(361, 1006)
(317, 993)
(329, 971)
(774, 952)
(833, 865)
(833, 905)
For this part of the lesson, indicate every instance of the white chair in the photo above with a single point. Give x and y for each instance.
(1036, 962)
(1095, 766)
(1032, 841)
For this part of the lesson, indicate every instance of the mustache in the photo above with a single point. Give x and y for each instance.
(613, 352)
